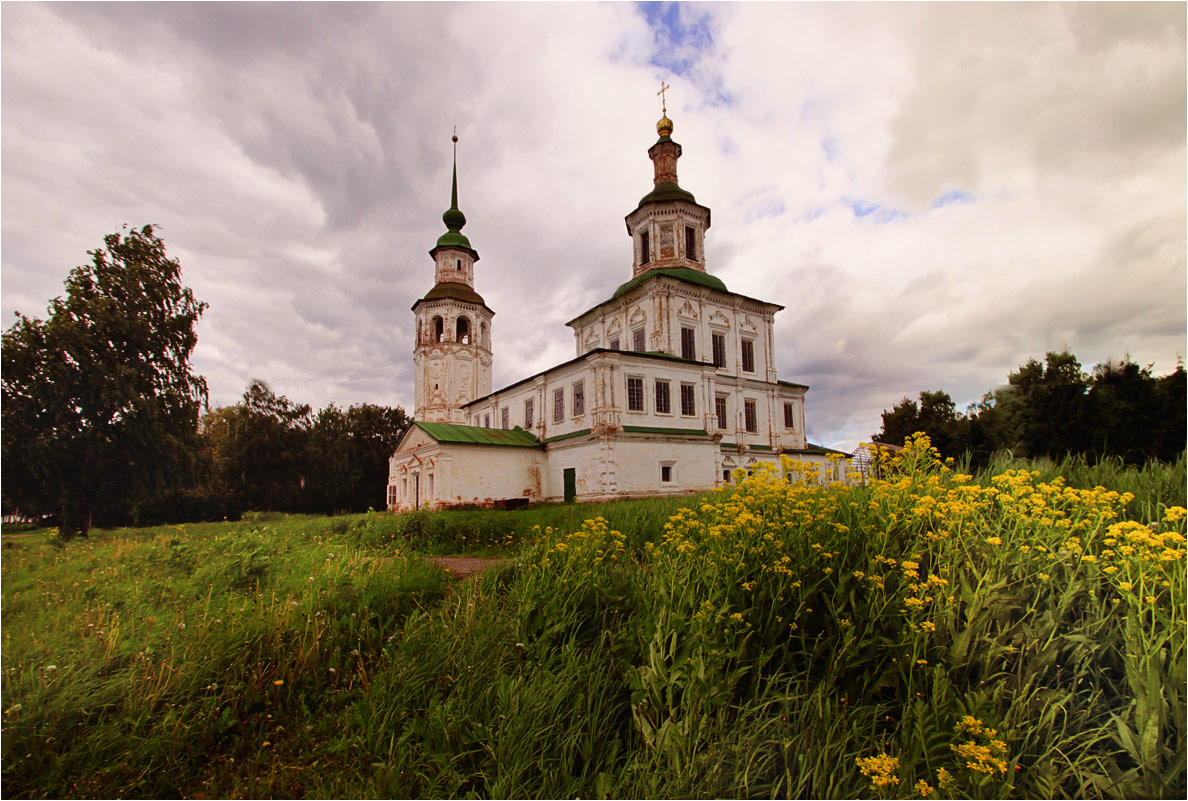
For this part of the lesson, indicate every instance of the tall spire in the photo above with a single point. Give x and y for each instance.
(453, 218)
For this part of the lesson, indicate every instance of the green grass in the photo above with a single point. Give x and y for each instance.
(727, 650)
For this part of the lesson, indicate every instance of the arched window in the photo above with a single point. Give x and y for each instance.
(438, 329)
(463, 331)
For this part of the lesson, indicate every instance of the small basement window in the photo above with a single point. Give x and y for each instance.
(666, 472)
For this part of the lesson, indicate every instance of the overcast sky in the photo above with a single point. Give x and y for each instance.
(934, 192)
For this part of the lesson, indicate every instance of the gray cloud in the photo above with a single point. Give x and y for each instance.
(297, 157)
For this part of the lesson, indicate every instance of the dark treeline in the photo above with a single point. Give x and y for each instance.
(268, 453)
(1053, 409)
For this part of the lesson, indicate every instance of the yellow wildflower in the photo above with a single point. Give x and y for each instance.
(880, 770)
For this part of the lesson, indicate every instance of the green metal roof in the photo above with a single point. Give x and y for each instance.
(686, 274)
(694, 432)
(667, 190)
(473, 435)
(571, 435)
(453, 289)
(814, 449)
(453, 239)
(792, 384)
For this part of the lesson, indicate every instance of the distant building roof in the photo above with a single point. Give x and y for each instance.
(473, 435)
(815, 449)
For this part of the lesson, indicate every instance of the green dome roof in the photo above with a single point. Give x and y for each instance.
(454, 219)
(453, 239)
(679, 273)
(666, 191)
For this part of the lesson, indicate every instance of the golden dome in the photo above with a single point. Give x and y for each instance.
(664, 127)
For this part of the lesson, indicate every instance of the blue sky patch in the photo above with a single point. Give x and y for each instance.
(829, 145)
(953, 196)
(678, 39)
(875, 211)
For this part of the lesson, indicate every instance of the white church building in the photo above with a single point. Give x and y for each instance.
(673, 386)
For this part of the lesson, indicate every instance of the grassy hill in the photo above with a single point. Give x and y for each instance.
(928, 635)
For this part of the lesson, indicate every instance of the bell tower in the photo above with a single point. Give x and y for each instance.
(452, 353)
(668, 227)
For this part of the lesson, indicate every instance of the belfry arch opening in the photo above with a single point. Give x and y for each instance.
(463, 331)
(438, 329)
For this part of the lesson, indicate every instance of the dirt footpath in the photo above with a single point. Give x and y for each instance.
(464, 566)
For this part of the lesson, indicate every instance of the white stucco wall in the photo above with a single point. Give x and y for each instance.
(449, 474)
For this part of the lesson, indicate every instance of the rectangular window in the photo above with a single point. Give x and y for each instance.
(719, 341)
(635, 394)
(505, 418)
(720, 411)
(688, 400)
(663, 399)
(638, 337)
(486, 421)
(666, 473)
(748, 355)
(558, 405)
(688, 344)
(789, 416)
(690, 243)
(579, 398)
(751, 416)
(645, 255)
(528, 421)
(614, 344)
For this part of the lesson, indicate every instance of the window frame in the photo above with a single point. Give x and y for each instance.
(668, 467)
(635, 386)
(790, 416)
(691, 243)
(529, 409)
(664, 407)
(750, 416)
(689, 390)
(722, 411)
(688, 342)
(559, 404)
(639, 340)
(718, 346)
(579, 397)
(505, 418)
(748, 355)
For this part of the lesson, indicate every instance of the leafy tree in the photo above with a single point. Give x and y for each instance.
(1054, 409)
(267, 452)
(100, 402)
(375, 431)
(1122, 407)
(258, 449)
(1170, 393)
(936, 415)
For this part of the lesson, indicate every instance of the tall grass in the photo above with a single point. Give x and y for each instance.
(927, 635)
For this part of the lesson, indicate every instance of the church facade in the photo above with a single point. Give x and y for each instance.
(672, 389)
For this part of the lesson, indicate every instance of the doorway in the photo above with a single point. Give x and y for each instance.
(569, 478)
